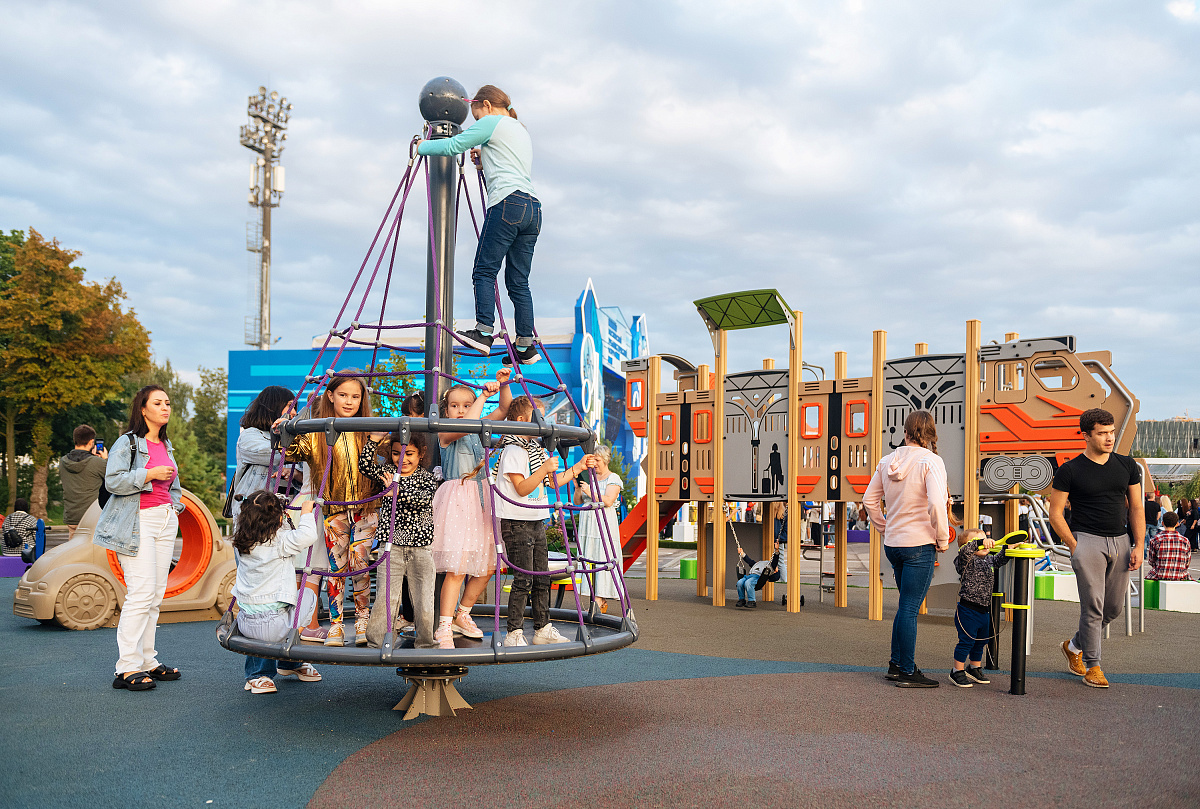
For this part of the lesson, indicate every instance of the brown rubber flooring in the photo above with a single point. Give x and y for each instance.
(811, 739)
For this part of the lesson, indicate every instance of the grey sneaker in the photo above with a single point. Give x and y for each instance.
(960, 679)
(515, 637)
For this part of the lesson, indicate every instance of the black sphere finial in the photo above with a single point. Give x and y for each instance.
(444, 99)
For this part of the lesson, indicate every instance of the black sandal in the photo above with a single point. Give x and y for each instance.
(164, 673)
(134, 681)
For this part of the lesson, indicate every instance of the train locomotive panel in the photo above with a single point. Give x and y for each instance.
(1032, 394)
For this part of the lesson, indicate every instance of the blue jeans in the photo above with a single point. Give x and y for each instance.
(914, 571)
(974, 631)
(267, 667)
(510, 231)
(745, 587)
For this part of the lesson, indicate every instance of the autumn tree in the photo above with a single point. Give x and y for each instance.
(64, 343)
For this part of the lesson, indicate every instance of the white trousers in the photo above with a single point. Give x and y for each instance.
(145, 584)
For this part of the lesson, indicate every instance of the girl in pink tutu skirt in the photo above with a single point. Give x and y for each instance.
(463, 547)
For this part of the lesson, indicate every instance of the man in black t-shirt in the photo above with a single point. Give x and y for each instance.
(1106, 500)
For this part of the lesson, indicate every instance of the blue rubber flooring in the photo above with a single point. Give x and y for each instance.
(70, 739)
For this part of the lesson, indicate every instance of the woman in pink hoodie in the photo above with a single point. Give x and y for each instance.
(913, 482)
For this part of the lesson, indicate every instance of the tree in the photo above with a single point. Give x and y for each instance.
(64, 343)
(210, 420)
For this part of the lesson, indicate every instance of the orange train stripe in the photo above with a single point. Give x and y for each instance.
(639, 428)
(858, 482)
(662, 485)
(806, 483)
(1022, 433)
(707, 485)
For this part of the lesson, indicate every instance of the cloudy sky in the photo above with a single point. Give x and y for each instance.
(895, 165)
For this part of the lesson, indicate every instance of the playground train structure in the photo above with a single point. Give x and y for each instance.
(1006, 420)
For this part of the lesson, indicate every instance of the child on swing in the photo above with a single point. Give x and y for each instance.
(521, 478)
(463, 543)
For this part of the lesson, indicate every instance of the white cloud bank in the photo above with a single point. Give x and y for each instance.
(901, 165)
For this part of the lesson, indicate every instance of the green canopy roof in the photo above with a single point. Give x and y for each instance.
(744, 310)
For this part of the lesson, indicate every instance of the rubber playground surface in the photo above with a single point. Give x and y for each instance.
(711, 707)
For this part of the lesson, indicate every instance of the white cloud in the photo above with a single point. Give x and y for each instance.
(885, 165)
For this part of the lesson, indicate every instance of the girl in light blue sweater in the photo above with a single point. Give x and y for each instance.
(265, 589)
(513, 220)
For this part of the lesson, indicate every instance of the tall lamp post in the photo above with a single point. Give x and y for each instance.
(264, 133)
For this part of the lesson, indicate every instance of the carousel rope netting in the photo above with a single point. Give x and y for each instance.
(389, 382)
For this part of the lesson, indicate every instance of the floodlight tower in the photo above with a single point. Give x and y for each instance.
(264, 133)
(444, 106)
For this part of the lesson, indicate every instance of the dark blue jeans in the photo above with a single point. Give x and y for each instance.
(510, 231)
(974, 631)
(914, 571)
(267, 667)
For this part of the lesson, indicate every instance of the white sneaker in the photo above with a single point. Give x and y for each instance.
(260, 685)
(517, 638)
(307, 673)
(548, 634)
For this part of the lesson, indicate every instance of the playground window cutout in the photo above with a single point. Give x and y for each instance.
(1054, 374)
(666, 428)
(857, 412)
(635, 393)
(1010, 376)
(810, 420)
(702, 426)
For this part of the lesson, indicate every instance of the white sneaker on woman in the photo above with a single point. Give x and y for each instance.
(515, 637)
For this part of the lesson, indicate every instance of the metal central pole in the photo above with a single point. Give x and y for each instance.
(439, 283)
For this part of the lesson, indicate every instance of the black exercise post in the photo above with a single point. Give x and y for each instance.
(1021, 604)
(443, 104)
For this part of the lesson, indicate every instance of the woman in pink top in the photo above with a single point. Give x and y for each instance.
(913, 482)
(140, 522)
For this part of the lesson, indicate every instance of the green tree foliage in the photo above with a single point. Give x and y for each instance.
(64, 343)
(210, 419)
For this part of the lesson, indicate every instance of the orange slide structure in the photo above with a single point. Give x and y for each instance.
(633, 529)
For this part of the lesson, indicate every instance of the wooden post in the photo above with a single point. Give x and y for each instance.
(971, 427)
(795, 521)
(840, 554)
(1012, 513)
(878, 360)
(920, 350)
(653, 385)
(703, 374)
(718, 568)
(768, 535)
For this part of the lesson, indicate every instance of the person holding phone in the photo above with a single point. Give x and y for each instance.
(82, 474)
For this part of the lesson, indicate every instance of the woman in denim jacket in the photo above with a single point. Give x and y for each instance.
(139, 523)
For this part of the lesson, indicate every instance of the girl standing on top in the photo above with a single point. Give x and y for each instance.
(513, 220)
(349, 530)
(463, 543)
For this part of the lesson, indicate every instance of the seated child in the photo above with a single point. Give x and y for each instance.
(755, 577)
(409, 532)
(1168, 552)
(974, 614)
(524, 470)
(266, 541)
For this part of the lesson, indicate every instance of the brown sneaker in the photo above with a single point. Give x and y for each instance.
(1095, 678)
(1074, 661)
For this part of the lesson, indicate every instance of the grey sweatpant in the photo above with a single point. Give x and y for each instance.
(417, 565)
(1101, 566)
